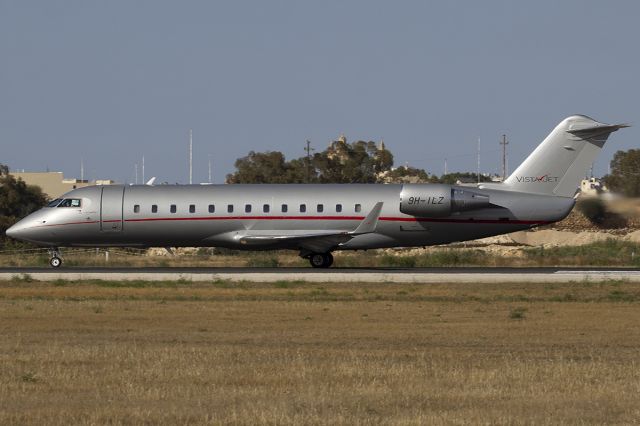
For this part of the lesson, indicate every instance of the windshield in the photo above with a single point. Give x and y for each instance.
(70, 202)
(54, 203)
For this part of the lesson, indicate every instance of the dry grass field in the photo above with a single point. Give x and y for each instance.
(294, 353)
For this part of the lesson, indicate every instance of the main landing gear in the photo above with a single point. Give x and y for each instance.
(320, 260)
(55, 260)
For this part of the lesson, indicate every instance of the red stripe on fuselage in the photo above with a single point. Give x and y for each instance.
(152, 219)
(468, 221)
(67, 223)
(320, 218)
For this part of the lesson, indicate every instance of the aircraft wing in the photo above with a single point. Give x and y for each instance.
(316, 241)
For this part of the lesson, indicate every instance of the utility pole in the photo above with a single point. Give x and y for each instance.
(135, 169)
(81, 170)
(478, 160)
(504, 144)
(308, 149)
(445, 166)
(190, 156)
(209, 168)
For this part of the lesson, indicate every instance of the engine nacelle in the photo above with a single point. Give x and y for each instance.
(438, 200)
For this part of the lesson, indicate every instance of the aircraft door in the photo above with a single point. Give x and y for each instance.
(111, 208)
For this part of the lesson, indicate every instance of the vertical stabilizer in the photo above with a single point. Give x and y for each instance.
(560, 162)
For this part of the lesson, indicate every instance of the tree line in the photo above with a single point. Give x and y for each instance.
(341, 162)
(366, 162)
(17, 199)
(624, 176)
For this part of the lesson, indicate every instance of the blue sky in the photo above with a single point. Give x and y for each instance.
(109, 82)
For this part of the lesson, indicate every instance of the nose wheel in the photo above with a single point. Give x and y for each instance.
(55, 260)
(321, 260)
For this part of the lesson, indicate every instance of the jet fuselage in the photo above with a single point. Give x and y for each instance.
(220, 215)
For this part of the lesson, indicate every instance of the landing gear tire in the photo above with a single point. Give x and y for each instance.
(55, 260)
(321, 260)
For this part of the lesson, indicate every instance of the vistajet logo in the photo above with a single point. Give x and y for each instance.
(541, 179)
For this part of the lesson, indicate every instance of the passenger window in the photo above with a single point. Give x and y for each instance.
(229, 208)
(173, 208)
(247, 208)
(154, 208)
(136, 208)
(284, 208)
(338, 208)
(358, 208)
(265, 208)
(303, 208)
(320, 208)
(212, 208)
(192, 208)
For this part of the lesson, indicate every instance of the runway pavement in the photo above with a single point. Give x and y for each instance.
(382, 275)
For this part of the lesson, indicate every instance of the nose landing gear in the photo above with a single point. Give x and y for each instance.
(320, 260)
(55, 260)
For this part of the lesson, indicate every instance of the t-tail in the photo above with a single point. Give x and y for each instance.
(561, 161)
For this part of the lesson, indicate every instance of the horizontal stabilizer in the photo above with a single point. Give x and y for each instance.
(593, 132)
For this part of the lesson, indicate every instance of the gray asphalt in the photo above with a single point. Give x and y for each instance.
(474, 275)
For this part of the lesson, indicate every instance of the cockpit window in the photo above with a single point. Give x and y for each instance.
(54, 203)
(70, 202)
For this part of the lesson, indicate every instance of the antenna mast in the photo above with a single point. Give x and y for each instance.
(209, 168)
(504, 144)
(81, 170)
(190, 156)
(143, 181)
(478, 160)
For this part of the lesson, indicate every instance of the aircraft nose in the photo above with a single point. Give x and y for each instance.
(17, 231)
(13, 231)
(28, 229)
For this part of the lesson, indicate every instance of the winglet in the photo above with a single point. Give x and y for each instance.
(151, 181)
(370, 222)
